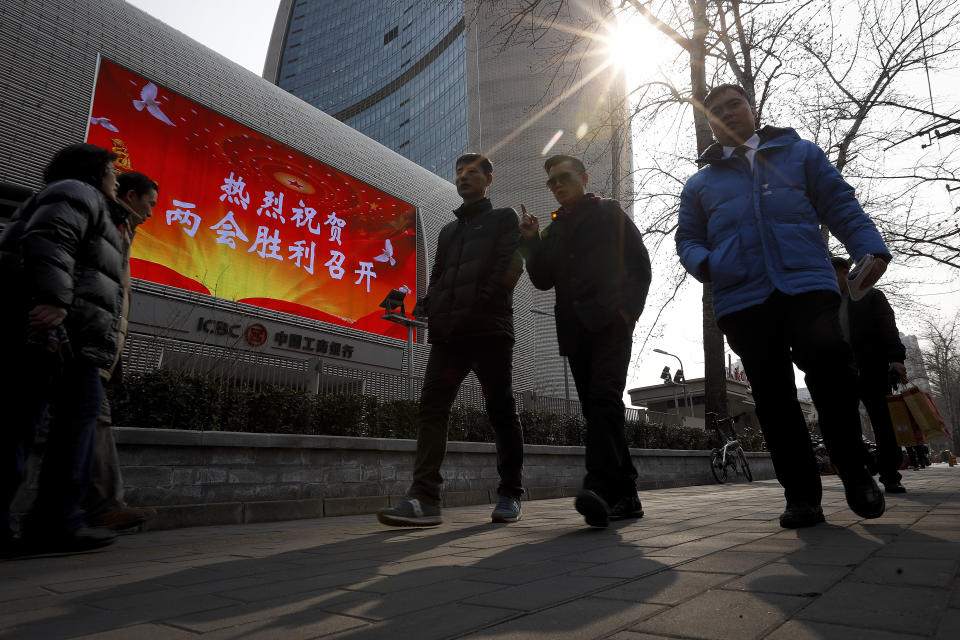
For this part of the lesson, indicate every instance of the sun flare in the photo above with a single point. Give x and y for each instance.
(632, 44)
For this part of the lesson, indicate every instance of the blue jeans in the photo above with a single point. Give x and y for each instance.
(74, 398)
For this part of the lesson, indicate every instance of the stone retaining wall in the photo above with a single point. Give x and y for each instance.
(198, 478)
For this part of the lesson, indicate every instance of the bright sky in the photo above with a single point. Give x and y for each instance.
(240, 30)
(237, 29)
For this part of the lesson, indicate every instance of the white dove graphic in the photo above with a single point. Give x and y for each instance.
(148, 99)
(105, 123)
(405, 289)
(387, 255)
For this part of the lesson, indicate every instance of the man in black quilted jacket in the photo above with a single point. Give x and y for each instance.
(592, 255)
(870, 327)
(61, 270)
(469, 306)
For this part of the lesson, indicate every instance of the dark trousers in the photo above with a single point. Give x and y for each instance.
(105, 491)
(873, 387)
(449, 363)
(74, 400)
(599, 362)
(804, 329)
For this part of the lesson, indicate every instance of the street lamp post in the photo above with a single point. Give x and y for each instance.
(686, 396)
(390, 304)
(566, 377)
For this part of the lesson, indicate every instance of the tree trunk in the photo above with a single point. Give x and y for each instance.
(715, 377)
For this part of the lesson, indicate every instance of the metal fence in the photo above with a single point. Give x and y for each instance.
(254, 371)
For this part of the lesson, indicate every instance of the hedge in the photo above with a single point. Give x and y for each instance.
(174, 400)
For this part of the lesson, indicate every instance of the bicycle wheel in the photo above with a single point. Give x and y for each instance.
(744, 466)
(717, 467)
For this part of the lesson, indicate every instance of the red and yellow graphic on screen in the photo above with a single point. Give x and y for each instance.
(243, 217)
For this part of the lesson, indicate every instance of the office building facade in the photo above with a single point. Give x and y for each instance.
(394, 71)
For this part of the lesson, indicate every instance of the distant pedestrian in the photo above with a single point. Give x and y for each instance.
(469, 307)
(61, 272)
(749, 223)
(592, 255)
(104, 501)
(870, 327)
(913, 458)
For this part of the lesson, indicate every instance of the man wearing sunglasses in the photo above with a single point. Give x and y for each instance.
(749, 223)
(592, 255)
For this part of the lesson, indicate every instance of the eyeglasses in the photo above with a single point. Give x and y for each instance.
(566, 176)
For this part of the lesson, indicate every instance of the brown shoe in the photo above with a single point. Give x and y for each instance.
(123, 518)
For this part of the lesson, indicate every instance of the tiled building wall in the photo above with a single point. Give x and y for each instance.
(50, 49)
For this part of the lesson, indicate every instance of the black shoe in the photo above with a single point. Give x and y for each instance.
(798, 516)
(10, 546)
(627, 507)
(593, 508)
(894, 487)
(863, 495)
(122, 518)
(83, 539)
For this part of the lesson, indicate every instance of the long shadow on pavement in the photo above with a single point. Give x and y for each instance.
(382, 583)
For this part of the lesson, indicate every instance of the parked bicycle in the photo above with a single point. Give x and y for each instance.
(729, 455)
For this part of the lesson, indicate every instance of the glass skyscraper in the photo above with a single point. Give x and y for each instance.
(393, 70)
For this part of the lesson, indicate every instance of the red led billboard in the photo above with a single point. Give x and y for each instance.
(242, 217)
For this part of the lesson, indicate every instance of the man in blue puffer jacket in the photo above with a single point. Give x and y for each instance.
(750, 224)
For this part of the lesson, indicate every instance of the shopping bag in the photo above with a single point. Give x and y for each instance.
(906, 430)
(924, 413)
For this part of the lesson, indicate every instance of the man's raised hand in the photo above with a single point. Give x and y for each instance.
(529, 225)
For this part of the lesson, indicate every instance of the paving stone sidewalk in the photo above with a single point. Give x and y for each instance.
(706, 562)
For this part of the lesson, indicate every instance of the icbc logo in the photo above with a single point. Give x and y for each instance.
(255, 335)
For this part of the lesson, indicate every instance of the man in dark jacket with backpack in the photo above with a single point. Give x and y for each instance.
(593, 256)
(61, 271)
(469, 306)
(870, 327)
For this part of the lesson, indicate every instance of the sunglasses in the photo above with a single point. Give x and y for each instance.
(566, 176)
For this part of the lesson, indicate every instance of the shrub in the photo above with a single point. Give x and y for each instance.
(174, 400)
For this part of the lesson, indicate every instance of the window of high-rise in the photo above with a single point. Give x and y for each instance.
(394, 70)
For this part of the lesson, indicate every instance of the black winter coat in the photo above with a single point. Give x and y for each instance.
(595, 259)
(475, 268)
(62, 248)
(873, 333)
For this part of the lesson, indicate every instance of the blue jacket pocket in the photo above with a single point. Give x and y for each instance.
(727, 266)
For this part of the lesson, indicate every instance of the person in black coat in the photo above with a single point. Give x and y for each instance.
(61, 271)
(869, 326)
(592, 255)
(469, 307)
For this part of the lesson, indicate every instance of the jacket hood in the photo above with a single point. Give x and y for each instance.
(77, 191)
(86, 195)
(467, 211)
(766, 134)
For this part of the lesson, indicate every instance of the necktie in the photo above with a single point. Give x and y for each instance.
(741, 152)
